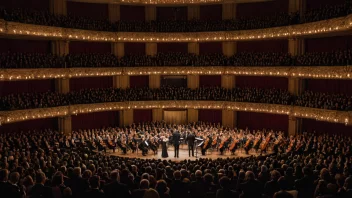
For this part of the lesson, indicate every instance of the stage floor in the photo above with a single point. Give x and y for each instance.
(183, 154)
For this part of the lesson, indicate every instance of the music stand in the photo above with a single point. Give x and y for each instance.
(195, 142)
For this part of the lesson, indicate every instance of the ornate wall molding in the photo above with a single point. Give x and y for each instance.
(313, 72)
(167, 2)
(295, 111)
(332, 26)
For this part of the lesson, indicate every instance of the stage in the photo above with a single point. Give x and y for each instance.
(183, 154)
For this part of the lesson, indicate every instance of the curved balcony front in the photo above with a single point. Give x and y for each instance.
(344, 117)
(331, 27)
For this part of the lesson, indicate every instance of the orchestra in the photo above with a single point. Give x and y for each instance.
(147, 139)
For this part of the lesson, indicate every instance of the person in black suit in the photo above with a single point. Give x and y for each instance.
(115, 188)
(176, 140)
(13, 190)
(225, 191)
(143, 186)
(178, 188)
(305, 186)
(77, 184)
(39, 190)
(94, 191)
(272, 186)
(190, 141)
(4, 174)
(251, 188)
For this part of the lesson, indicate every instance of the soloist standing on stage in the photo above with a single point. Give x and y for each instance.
(190, 141)
(176, 139)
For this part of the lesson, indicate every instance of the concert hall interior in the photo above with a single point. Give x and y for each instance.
(176, 98)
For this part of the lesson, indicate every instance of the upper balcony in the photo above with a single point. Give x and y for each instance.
(44, 25)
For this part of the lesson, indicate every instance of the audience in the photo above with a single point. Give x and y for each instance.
(88, 96)
(244, 23)
(39, 60)
(326, 168)
(309, 99)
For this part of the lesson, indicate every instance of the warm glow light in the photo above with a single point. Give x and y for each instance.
(295, 111)
(326, 26)
(312, 72)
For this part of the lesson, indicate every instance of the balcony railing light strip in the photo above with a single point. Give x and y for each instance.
(331, 26)
(313, 72)
(295, 111)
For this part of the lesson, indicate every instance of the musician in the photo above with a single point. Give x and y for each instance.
(224, 144)
(143, 146)
(122, 144)
(249, 144)
(234, 145)
(164, 153)
(132, 142)
(208, 140)
(190, 141)
(176, 140)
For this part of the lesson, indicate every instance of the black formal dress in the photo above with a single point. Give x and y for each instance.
(176, 140)
(164, 153)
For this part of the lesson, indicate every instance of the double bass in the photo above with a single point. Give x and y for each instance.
(206, 143)
(266, 142)
(223, 143)
(233, 144)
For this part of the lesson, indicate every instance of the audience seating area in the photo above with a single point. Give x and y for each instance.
(276, 20)
(76, 171)
(40, 60)
(338, 102)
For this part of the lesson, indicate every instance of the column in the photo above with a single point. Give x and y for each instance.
(62, 85)
(193, 12)
(295, 85)
(154, 81)
(121, 81)
(297, 6)
(229, 11)
(294, 125)
(229, 48)
(296, 46)
(228, 81)
(193, 48)
(151, 49)
(65, 125)
(157, 114)
(193, 81)
(229, 118)
(126, 117)
(58, 7)
(192, 115)
(114, 12)
(118, 49)
(150, 13)
(60, 48)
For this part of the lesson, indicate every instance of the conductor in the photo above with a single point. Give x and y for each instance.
(190, 141)
(176, 139)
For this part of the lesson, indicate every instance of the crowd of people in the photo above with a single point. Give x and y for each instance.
(244, 23)
(42, 60)
(49, 164)
(254, 95)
